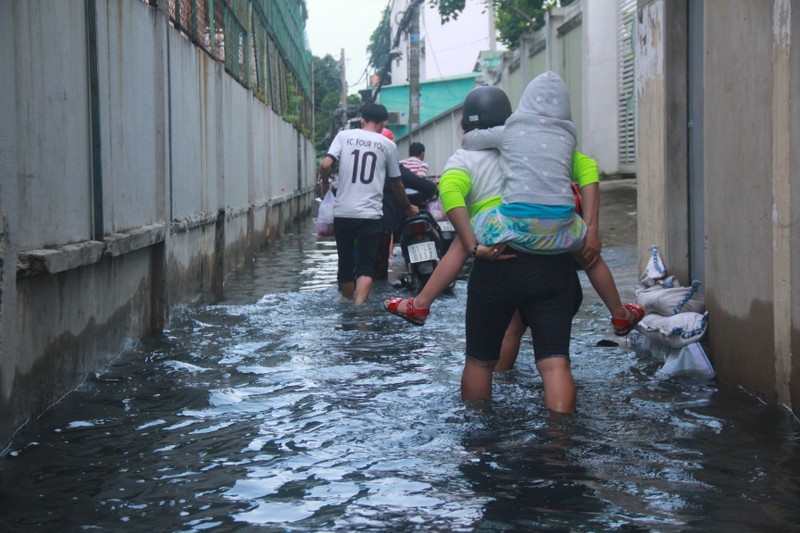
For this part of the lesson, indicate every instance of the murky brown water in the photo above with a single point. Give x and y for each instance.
(285, 409)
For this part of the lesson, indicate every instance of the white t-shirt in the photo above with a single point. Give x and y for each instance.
(483, 168)
(366, 160)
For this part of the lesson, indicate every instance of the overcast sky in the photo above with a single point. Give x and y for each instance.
(336, 24)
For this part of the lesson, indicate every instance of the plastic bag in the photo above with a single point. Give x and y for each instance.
(436, 209)
(689, 361)
(325, 216)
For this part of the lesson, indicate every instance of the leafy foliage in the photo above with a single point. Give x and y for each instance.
(327, 92)
(327, 98)
(380, 45)
(513, 17)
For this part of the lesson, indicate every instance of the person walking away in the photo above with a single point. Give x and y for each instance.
(393, 212)
(537, 147)
(547, 293)
(366, 160)
(544, 289)
(415, 162)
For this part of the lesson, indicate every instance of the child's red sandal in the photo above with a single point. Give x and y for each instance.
(411, 314)
(623, 326)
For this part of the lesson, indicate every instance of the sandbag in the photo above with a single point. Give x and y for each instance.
(671, 299)
(655, 269)
(676, 331)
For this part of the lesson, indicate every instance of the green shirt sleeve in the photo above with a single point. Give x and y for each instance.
(454, 186)
(584, 169)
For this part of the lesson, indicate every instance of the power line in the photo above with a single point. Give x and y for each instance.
(401, 28)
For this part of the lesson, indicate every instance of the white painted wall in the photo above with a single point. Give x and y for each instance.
(600, 129)
(194, 130)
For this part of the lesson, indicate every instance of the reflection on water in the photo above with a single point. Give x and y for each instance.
(286, 409)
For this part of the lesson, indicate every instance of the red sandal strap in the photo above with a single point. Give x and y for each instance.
(413, 312)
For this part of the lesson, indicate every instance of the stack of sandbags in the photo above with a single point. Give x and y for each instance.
(675, 318)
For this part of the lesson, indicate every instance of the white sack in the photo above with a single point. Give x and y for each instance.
(676, 331)
(669, 301)
(655, 269)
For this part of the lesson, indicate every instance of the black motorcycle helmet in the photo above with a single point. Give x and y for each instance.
(485, 107)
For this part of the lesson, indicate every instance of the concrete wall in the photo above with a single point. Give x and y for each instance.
(662, 145)
(749, 178)
(123, 198)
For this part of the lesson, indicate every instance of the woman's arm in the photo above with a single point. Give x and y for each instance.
(584, 172)
(453, 190)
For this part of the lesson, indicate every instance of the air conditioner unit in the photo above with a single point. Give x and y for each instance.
(398, 118)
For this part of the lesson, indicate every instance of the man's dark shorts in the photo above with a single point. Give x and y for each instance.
(546, 290)
(351, 233)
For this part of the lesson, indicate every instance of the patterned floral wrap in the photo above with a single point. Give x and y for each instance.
(530, 235)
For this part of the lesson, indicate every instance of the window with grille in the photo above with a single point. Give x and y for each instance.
(626, 46)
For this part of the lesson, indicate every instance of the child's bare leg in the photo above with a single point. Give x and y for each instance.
(443, 275)
(511, 343)
(623, 316)
(603, 282)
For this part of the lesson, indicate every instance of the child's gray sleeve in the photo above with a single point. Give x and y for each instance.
(483, 139)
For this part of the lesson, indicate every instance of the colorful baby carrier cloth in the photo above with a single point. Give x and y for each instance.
(526, 234)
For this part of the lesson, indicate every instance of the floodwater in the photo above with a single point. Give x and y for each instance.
(283, 408)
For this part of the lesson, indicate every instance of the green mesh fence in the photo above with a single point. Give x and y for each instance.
(261, 42)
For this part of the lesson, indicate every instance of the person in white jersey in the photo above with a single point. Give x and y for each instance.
(366, 160)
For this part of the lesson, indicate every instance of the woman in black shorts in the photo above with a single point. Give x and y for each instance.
(544, 288)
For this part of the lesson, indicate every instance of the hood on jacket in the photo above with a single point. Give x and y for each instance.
(546, 95)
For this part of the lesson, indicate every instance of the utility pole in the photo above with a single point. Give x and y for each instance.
(343, 94)
(413, 67)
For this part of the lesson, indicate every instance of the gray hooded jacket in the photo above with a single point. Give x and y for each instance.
(536, 145)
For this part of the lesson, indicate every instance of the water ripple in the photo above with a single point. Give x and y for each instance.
(284, 408)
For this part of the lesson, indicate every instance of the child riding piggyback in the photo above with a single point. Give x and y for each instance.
(537, 214)
(536, 143)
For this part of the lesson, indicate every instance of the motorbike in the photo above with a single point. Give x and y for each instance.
(422, 247)
(446, 228)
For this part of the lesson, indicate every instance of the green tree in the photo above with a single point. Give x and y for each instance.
(380, 46)
(327, 94)
(513, 17)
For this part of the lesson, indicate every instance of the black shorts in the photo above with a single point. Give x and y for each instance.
(545, 289)
(356, 246)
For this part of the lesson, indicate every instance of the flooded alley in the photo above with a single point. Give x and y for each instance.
(283, 408)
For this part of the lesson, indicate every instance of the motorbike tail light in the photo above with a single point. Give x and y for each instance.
(416, 228)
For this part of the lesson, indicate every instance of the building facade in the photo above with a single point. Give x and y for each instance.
(718, 186)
